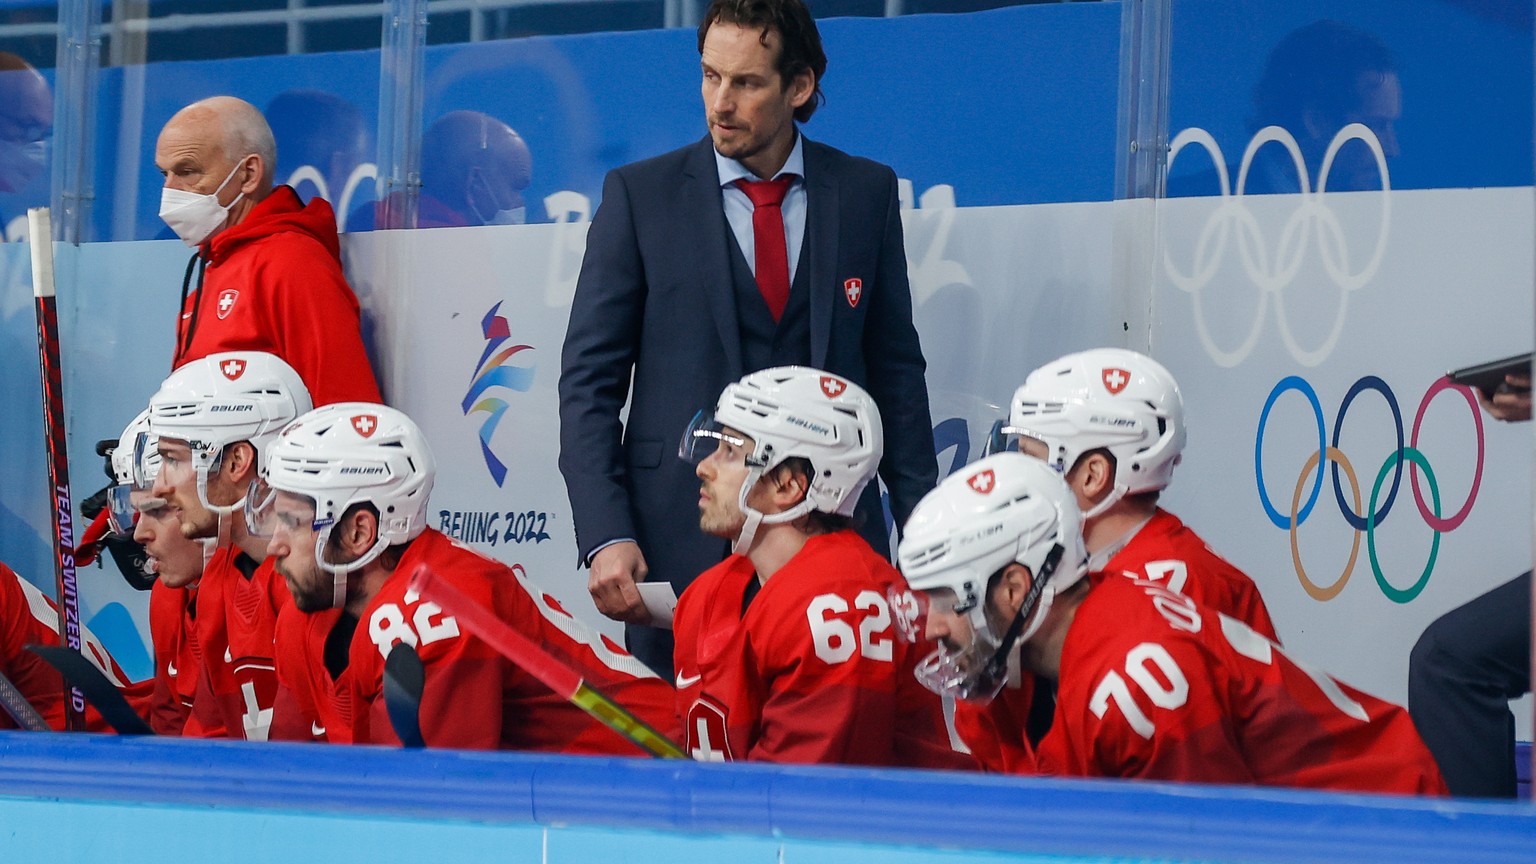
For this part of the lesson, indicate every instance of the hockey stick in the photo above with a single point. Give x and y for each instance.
(83, 675)
(555, 673)
(404, 679)
(40, 224)
(20, 709)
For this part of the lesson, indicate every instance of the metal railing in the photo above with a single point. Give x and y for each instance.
(131, 22)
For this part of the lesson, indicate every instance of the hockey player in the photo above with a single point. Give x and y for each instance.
(785, 651)
(1149, 683)
(349, 528)
(213, 419)
(1112, 422)
(173, 561)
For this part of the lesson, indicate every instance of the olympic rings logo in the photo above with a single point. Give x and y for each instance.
(1272, 270)
(1365, 520)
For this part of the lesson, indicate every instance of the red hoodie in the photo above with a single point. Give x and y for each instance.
(274, 283)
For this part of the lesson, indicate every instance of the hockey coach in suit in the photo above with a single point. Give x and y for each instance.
(750, 248)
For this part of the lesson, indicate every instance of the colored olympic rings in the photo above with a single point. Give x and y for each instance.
(1365, 520)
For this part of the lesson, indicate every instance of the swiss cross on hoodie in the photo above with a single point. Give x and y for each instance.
(273, 283)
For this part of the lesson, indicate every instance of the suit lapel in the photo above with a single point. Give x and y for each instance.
(821, 226)
(703, 224)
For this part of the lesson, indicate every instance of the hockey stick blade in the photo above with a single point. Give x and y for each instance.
(85, 677)
(20, 709)
(40, 226)
(551, 670)
(404, 679)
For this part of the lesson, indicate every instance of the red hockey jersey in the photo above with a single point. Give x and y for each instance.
(311, 705)
(474, 697)
(812, 672)
(1153, 686)
(1165, 551)
(236, 625)
(172, 629)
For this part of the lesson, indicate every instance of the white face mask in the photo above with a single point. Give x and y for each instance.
(195, 217)
(500, 216)
(20, 163)
(513, 216)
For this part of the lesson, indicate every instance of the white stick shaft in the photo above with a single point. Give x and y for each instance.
(40, 235)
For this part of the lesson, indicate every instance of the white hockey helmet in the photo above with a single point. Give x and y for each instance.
(224, 399)
(1006, 508)
(135, 464)
(795, 411)
(352, 453)
(1109, 398)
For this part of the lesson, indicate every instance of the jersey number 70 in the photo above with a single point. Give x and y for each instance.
(1150, 665)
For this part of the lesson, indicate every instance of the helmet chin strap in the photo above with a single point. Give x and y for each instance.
(755, 517)
(1109, 501)
(340, 572)
(225, 530)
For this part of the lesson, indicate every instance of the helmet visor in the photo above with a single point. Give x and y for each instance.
(146, 461)
(1005, 438)
(999, 441)
(704, 436)
(260, 509)
(122, 516)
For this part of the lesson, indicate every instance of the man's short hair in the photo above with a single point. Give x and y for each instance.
(245, 131)
(800, 42)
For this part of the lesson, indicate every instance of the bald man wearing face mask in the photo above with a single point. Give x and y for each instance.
(26, 121)
(267, 272)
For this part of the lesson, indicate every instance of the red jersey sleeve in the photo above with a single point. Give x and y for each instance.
(996, 732)
(21, 604)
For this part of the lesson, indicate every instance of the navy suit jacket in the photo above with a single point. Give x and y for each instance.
(654, 319)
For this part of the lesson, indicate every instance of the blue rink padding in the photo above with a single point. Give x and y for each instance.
(84, 797)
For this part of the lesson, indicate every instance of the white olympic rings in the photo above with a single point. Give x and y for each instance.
(1272, 272)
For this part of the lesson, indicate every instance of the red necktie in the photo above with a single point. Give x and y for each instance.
(770, 254)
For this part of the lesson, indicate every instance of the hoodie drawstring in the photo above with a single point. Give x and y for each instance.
(188, 327)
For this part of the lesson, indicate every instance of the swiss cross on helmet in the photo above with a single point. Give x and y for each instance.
(364, 424)
(796, 412)
(1115, 379)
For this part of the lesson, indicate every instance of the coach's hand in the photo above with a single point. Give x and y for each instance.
(1511, 402)
(615, 570)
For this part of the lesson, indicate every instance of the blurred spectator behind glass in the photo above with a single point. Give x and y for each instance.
(325, 133)
(26, 125)
(474, 169)
(1317, 80)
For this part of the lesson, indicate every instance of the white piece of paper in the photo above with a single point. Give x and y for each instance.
(659, 600)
